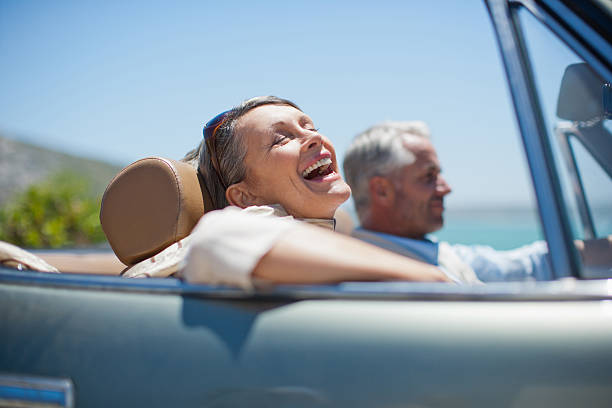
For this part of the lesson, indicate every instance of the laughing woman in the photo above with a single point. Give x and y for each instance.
(274, 179)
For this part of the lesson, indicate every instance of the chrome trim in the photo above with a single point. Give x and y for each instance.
(564, 131)
(553, 213)
(23, 391)
(561, 290)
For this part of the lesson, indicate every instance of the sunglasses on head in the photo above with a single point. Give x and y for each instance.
(212, 125)
(209, 131)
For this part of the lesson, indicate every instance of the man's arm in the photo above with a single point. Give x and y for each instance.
(529, 262)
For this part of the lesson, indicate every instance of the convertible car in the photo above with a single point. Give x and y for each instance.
(105, 341)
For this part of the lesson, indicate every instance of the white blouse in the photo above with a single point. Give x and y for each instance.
(224, 247)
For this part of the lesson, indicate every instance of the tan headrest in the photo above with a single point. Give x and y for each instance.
(150, 205)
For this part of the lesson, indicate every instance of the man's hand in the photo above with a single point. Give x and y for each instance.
(596, 253)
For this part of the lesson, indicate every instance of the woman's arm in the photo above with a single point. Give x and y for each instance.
(232, 246)
(312, 255)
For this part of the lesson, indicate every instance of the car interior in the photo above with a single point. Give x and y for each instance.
(155, 202)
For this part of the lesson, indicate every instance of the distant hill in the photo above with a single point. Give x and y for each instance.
(22, 164)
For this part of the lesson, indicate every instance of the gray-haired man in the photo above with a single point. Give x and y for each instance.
(399, 191)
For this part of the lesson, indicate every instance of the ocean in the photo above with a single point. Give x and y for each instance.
(507, 229)
(504, 229)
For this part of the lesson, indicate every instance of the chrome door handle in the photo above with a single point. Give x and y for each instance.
(22, 391)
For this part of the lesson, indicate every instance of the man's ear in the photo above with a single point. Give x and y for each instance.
(381, 191)
(240, 195)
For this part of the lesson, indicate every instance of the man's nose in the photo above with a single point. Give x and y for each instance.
(442, 187)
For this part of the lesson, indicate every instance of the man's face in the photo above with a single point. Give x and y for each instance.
(419, 191)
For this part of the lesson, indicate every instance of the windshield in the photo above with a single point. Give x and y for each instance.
(573, 98)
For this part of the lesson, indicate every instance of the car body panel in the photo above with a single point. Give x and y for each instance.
(164, 349)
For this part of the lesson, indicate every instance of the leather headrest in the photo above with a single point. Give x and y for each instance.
(149, 205)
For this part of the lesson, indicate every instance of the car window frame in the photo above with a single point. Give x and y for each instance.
(568, 136)
(595, 51)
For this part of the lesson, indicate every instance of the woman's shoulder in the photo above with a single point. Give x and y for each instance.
(275, 210)
(272, 210)
(232, 217)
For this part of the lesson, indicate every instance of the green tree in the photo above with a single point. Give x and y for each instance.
(58, 212)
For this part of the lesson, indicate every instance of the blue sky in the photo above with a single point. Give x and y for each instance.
(121, 80)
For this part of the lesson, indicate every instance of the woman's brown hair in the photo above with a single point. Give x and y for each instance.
(230, 151)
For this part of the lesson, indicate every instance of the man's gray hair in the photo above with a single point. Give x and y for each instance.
(377, 152)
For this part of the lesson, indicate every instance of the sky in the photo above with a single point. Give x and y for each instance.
(122, 80)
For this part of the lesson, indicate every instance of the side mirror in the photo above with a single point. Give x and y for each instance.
(583, 95)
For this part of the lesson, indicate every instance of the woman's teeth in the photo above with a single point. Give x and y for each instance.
(310, 171)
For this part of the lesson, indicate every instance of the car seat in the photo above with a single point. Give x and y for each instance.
(151, 204)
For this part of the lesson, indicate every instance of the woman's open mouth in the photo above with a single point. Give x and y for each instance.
(319, 169)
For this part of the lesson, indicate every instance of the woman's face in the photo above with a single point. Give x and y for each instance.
(290, 163)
